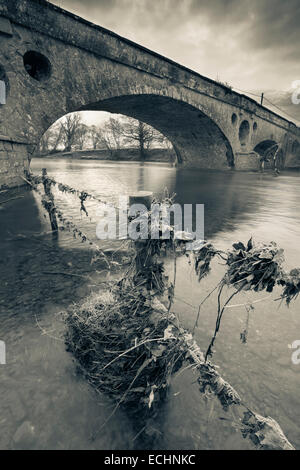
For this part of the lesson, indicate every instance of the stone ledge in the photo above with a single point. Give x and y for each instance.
(5, 138)
(5, 26)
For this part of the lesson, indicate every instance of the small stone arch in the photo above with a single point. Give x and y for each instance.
(264, 146)
(266, 149)
(244, 132)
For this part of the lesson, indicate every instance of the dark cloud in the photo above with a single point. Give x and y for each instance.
(251, 44)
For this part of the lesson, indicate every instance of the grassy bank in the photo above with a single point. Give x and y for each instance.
(125, 154)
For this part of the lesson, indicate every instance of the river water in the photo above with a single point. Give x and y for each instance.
(46, 405)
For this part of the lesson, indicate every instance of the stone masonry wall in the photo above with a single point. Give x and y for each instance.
(13, 161)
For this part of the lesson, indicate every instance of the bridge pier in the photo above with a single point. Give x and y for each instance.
(13, 161)
(247, 161)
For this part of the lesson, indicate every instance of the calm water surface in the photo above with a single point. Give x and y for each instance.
(39, 385)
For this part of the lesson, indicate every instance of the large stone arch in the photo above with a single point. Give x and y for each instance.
(198, 140)
(197, 126)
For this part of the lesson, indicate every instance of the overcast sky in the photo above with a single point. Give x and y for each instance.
(251, 44)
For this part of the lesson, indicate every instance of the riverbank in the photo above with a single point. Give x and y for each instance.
(160, 155)
(125, 154)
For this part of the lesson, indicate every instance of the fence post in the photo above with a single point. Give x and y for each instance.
(145, 198)
(50, 207)
(141, 197)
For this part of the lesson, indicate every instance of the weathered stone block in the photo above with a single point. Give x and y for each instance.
(24, 437)
(247, 162)
(5, 26)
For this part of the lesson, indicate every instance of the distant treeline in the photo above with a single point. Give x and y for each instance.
(118, 138)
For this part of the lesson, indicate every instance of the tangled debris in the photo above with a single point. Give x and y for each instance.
(128, 344)
(265, 433)
(130, 355)
(250, 267)
(291, 284)
(203, 260)
(125, 346)
(254, 267)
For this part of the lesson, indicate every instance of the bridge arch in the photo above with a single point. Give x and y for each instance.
(197, 138)
(268, 149)
(264, 146)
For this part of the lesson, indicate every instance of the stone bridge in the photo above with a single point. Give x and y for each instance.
(53, 62)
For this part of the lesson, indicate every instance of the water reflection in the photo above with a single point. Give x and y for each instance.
(228, 197)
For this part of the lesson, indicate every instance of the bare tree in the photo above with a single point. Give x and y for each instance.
(115, 128)
(51, 140)
(57, 137)
(96, 137)
(45, 142)
(70, 127)
(110, 137)
(140, 134)
(70, 132)
(81, 136)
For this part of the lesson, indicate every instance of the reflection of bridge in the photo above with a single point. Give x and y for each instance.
(54, 62)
